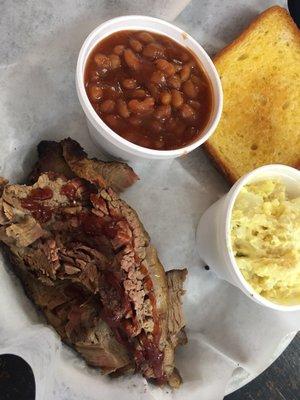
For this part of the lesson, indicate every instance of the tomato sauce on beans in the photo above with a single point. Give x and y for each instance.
(148, 89)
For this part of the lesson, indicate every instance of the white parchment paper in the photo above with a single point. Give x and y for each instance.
(39, 45)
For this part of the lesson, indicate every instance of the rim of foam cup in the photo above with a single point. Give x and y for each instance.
(275, 170)
(107, 132)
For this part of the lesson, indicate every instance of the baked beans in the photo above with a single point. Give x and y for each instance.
(149, 89)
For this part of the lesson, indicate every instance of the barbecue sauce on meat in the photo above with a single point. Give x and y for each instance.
(40, 194)
(32, 203)
(69, 190)
(118, 312)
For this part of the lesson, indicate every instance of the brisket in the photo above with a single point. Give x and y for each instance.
(86, 260)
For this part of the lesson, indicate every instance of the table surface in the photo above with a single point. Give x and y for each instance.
(281, 381)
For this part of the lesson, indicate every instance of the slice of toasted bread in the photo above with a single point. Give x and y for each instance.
(260, 74)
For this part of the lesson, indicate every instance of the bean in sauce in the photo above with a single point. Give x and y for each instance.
(149, 89)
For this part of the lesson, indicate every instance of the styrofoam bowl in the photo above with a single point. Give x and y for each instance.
(106, 138)
(213, 233)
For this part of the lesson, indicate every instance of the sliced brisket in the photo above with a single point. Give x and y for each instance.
(86, 260)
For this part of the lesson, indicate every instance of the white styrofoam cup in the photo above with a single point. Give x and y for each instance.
(106, 138)
(213, 233)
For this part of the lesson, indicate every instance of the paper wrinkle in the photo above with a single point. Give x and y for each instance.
(7, 66)
(39, 102)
